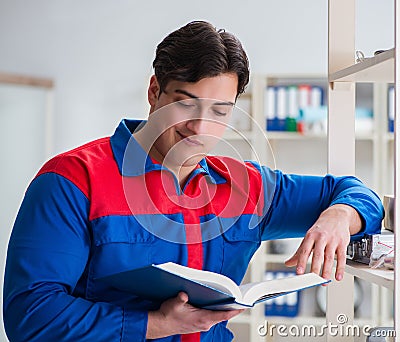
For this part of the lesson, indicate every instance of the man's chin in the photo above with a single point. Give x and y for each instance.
(177, 159)
(193, 161)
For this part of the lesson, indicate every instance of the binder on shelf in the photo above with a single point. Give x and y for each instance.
(287, 306)
(316, 96)
(293, 109)
(391, 109)
(270, 108)
(304, 101)
(281, 108)
(285, 104)
(304, 95)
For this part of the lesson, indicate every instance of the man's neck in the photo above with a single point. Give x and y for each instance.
(182, 173)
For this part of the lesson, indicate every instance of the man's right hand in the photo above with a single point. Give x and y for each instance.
(176, 317)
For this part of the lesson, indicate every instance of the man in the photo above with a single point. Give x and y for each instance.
(149, 195)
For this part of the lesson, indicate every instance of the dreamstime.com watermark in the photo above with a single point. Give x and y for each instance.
(338, 329)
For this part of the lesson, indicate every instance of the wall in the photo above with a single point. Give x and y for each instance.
(99, 52)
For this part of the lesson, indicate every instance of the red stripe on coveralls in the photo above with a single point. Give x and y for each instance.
(195, 254)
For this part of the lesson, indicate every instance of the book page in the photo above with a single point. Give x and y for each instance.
(210, 279)
(262, 290)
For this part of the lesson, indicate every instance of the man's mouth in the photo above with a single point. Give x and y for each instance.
(189, 140)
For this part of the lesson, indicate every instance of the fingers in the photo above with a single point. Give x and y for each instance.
(318, 257)
(328, 262)
(205, 319)
(175, 316)
(216, 316)
(220, 316)
(303, 253)
(292, 261)
(323, 247)
(341, 263)
(183, 297)
(213, 315)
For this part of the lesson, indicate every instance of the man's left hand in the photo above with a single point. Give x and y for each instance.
(328, 237)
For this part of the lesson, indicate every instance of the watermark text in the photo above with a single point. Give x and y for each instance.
(337, 329)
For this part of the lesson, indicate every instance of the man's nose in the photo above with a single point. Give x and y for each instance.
(198, 125)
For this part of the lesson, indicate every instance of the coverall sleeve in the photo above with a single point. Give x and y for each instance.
(298, 200)
(47, 255)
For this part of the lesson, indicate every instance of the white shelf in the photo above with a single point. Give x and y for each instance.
(276, 258)
(389, 136)
(379, 68)
(380, 277)
(366, 136)
(274, 135)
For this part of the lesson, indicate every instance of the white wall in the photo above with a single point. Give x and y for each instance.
(99, 52)
(23, 151)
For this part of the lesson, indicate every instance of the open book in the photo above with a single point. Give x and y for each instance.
(205, 289)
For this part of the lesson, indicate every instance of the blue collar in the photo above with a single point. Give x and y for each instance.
(132, 159)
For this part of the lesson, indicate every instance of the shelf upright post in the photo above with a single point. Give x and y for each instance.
(396, 173)
(262, 153)
(341, 138)
(380, 154)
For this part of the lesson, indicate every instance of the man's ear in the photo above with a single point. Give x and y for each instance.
(153, 91)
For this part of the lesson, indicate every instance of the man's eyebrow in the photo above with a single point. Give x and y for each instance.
(220, 103)
(184, 92)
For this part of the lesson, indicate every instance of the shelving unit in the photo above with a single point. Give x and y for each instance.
(264, 259)
(343, 74)
(258, 136)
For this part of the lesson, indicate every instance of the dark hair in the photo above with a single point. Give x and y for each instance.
(198, 50)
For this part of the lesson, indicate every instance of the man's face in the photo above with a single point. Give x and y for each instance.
(190, 118)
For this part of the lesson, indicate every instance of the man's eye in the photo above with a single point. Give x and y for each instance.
(221, 110)
(219, 113)
(185, 104)
(188, 103)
